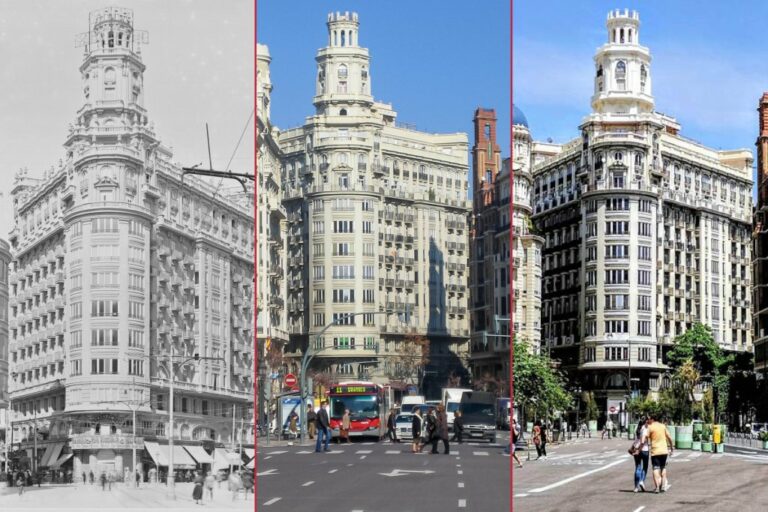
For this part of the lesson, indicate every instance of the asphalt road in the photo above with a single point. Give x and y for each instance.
(383, 477)
(595, 476)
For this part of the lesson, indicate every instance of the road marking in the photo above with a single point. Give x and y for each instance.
(267, 472)
(459, 472)
(582, 475)
(461, 485)
(401, 472)
(362, 457)
(278, 452)
(303, 452)
(267, 457)
(458, 465)
(462, 503)
(272, 501)
(481, 453)
(333, 470)
(392, 452)
(348, 465)
(307, 484)
(364, 451)
(745, 451)
(638, 509)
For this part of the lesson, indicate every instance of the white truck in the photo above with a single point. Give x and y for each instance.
(408, 401)
(451, 401)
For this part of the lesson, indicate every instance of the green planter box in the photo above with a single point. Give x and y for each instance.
(706, 447)
(671, 430)
(719, 448)
(683, 437)
(765, 445)
(696, 446)
(592, 425)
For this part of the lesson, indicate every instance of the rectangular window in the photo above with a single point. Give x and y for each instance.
(616, 302)
(368, 272)
(135, 338)
(368, 296)
(643, 328)
(617, 276)
(76, 367)
(367, 226)
(644, 303)
(344, 295)
(644, 354)
(617, 227)
(343, 226)
(589, 354)
(616, 326)
(318, 227)
(645, 205)
(319, 296)
(319, 319)
(100, 308)
(318, 272)
(644, 228)
(644, 277)
(616, 353)
(343, 271)
(616, 251)
(644, 252)
(76, 339)
(104, 225)
(617, 204)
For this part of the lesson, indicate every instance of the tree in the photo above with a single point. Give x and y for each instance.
(412, 355)
(591, 411)
(697, 345)
(537, 387)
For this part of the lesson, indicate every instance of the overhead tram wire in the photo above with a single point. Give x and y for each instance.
(234, 151)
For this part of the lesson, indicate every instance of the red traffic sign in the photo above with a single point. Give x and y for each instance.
(612, 409)
(289, 380)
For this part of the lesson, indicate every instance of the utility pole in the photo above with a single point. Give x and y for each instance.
(233, 436)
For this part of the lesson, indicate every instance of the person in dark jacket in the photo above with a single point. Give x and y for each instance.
(197, 492)
(311, 421)
(392, 427)
(323, 427)
(430, 434)
(416, 424)
(442, 429)
(458, 427)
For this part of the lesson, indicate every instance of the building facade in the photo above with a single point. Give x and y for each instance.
(377, 220)
(5, 260)
(760, 246)
(122, 273)
(498, 224)
(646, 232)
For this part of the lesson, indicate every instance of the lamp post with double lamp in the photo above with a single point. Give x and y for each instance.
(172, 374)
(9, 426)
(133, 405)
(309, 354)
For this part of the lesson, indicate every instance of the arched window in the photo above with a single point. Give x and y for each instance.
(621, 75)
(343, 112)
(643, 77)
(629, 35)
(621, 35)
(111, 39)
(342, 72)
(343, 38)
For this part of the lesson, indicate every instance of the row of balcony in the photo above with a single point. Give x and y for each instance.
(397, 283)
(397, 239)
(39, 360)
(408, 218)
(43, 261)
(396, 260)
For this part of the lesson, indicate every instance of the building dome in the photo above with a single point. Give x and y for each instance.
(518, 118)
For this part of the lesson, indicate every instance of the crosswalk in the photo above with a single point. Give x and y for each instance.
(355, 450)
(601, 457)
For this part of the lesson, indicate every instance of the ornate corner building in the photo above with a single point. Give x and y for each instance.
(117, 266)
(646, 232)
(376, 219)
(760, 245)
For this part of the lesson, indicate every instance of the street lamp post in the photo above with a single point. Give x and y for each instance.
(171, 477)
(309, 355)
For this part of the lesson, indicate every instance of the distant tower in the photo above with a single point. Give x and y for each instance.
(623, 68)
(486, 156)
(343, 85)
(263, 81)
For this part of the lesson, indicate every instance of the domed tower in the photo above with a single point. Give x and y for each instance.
(343, 85)
(622, 68)
(107, 226)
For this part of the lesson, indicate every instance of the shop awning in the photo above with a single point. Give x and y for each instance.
(162, 455)
(222, 459)
(64, 458)
(51, 454)
(158, 452)
(199, 454)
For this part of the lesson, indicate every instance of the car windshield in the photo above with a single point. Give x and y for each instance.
(452, 406)
(360, 407)
(402, 418)
(477, 409)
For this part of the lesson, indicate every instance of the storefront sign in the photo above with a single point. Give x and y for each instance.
(111, 442)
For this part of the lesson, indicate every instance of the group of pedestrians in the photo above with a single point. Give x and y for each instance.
(652, 440)
(430, 430)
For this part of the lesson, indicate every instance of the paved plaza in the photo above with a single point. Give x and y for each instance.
(596, 475)
(91, 497)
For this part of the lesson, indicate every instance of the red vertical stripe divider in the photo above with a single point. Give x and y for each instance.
(512, 305)
(256, 350)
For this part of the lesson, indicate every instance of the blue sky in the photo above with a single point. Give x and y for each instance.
(436, 61)
(708, 64)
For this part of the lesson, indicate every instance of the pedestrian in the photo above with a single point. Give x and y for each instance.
(639, 451)
(442, 428)
(416, 428)
(110, 480)
(661, 448)
(514, 429)
(247, 483)
(197, 491)
(209, 481)
(430, 435)
(458, 427)
(311, 418)
(235, 484)
(392, 426)
(85, 478)
(90, 476)
(138, 478)
(103, 479)
(540, 440)
(20, 483)
(346, 423)
(323, 428)
(584, 430)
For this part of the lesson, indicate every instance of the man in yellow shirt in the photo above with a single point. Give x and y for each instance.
(661, 448)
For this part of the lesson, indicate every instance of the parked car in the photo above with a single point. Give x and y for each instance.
(478, 411)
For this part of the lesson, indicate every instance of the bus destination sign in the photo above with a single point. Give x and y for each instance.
(354, 389)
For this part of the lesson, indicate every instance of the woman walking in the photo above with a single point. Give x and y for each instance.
(515, 436)
(540, 440)
(640, 453)
(197, 492)
(346, 423)
(458, 427)
(416, 429)
(442, 428)
(209, 481)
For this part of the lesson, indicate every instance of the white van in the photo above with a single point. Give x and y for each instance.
(451, 401)
(406, 405)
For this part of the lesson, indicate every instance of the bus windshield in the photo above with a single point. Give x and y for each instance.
(360, 407)
(452, 407)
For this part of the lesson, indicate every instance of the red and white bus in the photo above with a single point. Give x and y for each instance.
(368, 407)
